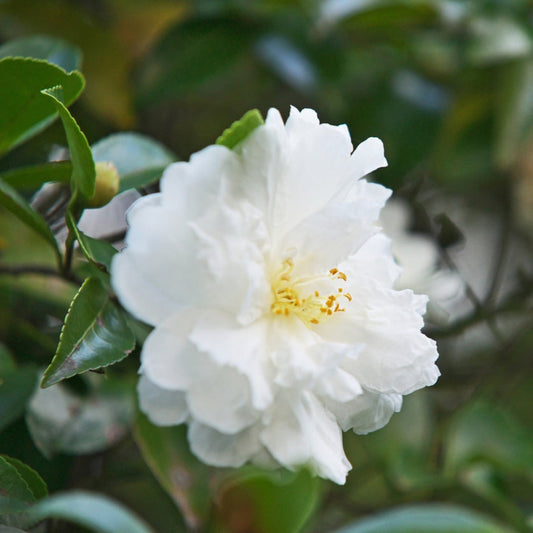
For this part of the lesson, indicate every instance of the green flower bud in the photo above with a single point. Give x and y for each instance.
(107, 182)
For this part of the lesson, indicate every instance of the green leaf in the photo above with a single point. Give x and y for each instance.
(252, 494)
(132, 152)
(50, 49)
(482, 432)
(32, 177)
(429, 518)
(16, 389)
(99, 252)
(11, 200)
(11, 505)
(23, 112)
(240, 129)
(95, 334)
(83, 171)
(95, 512)
(30, 476)
(166, 452)
(12, 484)
(141, 178)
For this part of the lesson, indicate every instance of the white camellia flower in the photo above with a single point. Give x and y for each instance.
(270, 288)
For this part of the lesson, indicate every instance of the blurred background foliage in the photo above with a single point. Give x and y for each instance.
(448, 86)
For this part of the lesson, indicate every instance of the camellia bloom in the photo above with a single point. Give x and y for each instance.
(269, 286)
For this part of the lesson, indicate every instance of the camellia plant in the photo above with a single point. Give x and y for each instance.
(211, 344)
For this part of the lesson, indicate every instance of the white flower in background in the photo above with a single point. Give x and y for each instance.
(270, 289)
(418, 256)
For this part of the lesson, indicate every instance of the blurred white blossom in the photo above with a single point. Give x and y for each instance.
(270, 288)
(418, 255)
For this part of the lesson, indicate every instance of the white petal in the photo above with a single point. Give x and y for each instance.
(162, 406)
(328, 237)
(301, 431)
(397, 357)
(109, 219)
(220, 449)
(168, 358)
(368, 412)
(243, 348)
(193, 187)
(318, 165)
(368, 156)
(373, 260)
(232, 243)
(222, 399)
(149, 277)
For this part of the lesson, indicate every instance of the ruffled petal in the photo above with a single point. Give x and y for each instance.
(222, 400)
(148, 276)
(232, 245)
(397, 357)
(318, 164)
(168, 359)
(301, 431)
(244, 348)
(221, 449)
(368, 156)
(368, 412)
(327, 238)
(162, 406)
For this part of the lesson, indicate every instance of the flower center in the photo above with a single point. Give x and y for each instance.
(310, 307)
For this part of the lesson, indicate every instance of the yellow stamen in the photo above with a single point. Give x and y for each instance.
(314, 308)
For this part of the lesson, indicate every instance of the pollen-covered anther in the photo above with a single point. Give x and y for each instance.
(314, 308)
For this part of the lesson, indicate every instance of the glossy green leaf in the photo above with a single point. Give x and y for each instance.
(23, 111)
(240, 129)
(95, 250)
(11, 505)
(487, 433)
(32, 177)
(132, 152)
(106, 62)
(95, 334)
(92, 511)
(50, 49)
(430, 518)
(252, 494)
(166, 452)
(141, 178)
(14, 202)
(12, 484)
(83, 171)
(34, 481)
(16, 389)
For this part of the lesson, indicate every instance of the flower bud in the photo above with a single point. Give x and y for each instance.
(107, 182)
